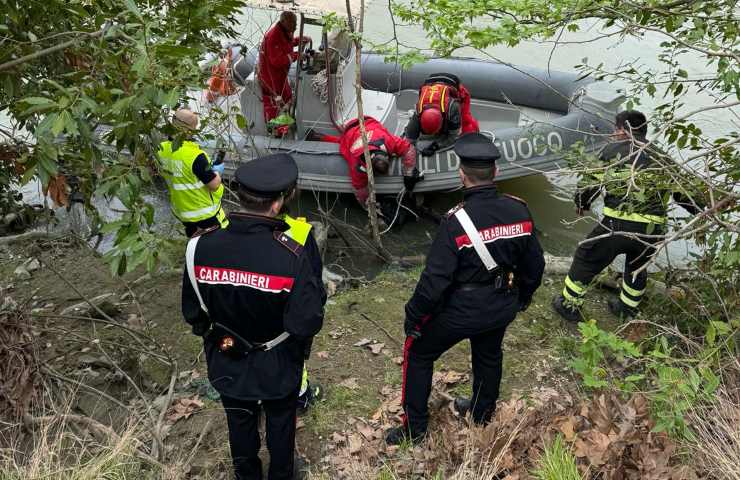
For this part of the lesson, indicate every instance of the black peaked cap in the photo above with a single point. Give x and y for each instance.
(476, 150)
(269, 176)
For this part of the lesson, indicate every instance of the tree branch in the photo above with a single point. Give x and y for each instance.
(54, 49)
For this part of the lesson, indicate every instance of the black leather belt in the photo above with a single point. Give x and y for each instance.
(501, 280)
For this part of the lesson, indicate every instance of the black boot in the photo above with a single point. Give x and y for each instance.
(462, 406)
(300, 468)
(620, 310)
(401, 434)
(568, 312)
(313, 394)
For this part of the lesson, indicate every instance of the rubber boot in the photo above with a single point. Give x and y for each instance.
(568, 312)
(620, 310)
(313, 394)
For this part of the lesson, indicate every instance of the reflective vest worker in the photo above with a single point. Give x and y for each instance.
(634, 218)
(193, 181)
(443, 109)
(252, 291)
(382, 146)
(483, 267)
(275, 57)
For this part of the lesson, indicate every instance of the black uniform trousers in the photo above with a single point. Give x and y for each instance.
(243, 418)
(593, 257)
(438, 336)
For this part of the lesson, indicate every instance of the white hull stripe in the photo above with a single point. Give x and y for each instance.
(497, 232)
(242, 278)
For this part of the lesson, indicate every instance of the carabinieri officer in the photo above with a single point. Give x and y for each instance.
(254, 292)
(484, 266)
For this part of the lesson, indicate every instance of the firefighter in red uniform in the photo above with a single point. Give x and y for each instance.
(276, 56)
(443, 109)
(382, 145)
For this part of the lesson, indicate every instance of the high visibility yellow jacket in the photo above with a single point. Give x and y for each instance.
(190, 199)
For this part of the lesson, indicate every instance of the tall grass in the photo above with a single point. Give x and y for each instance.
(557, 463)
(715, 439)
(59, 454)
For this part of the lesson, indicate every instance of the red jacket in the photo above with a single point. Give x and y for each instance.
(276, 55)
(350, 146)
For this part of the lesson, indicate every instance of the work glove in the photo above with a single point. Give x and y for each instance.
(411, 329)
(219, 169)
(410, 181)
(430, 149)
(201, 328)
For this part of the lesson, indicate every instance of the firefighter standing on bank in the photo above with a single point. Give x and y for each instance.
(443, 109)
(252, 291)
(193, 181)
(634, 218)
(483, 267)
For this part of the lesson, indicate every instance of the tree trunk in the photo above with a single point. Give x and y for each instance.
(371, 205)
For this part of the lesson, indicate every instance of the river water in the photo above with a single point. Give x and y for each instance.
(548, 196)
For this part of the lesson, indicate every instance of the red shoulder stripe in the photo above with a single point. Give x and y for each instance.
(497, 232)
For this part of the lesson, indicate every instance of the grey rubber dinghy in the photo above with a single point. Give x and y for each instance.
(535, 116)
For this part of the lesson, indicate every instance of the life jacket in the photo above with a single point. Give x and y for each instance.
(221, 84)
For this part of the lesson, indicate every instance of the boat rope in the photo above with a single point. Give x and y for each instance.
(399, 206)
(320, 86)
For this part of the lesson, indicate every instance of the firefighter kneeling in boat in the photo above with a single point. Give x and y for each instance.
(483, 267)
(442, 113)
(253, 290)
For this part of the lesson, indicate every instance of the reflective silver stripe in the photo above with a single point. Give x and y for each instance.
(474, 236)
(199, 212)
(275, 341)
(190, 265)
(187, 186)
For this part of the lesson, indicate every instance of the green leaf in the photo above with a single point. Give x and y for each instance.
(131, 6)
(38, 101)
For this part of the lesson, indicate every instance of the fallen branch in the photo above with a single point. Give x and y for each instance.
(157, 434)
(29, 237)
(387, 334)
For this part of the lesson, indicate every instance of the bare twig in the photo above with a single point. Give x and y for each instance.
(155, 448)
(382, 328)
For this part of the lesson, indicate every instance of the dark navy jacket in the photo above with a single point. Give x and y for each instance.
(506, 227)
(258, 286)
